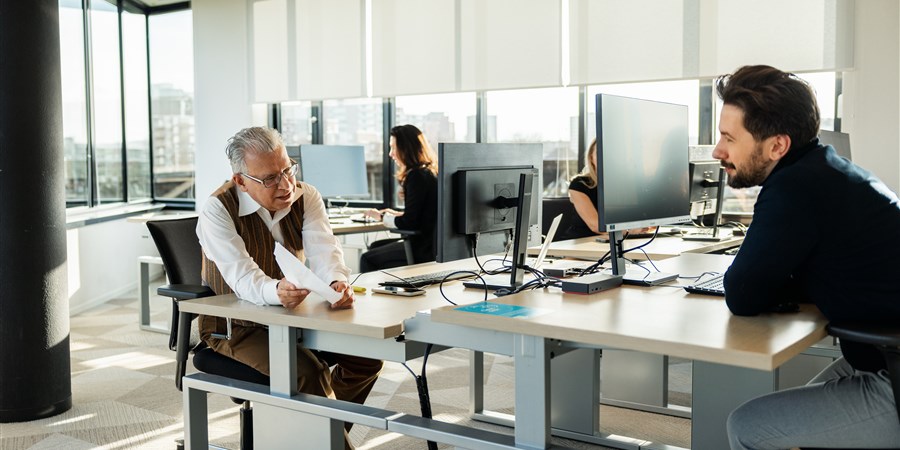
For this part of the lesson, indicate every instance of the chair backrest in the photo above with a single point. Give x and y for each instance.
(179, 248)
(554, 206)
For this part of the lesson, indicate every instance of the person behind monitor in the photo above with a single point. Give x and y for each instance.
(238, 227)
(810, 240)
(583, 195)
(417, 176)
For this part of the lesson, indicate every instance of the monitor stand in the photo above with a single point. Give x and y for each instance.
(520, 242)
(717, 234)
(633, 276)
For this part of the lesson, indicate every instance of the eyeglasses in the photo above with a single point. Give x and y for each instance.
(273, 180)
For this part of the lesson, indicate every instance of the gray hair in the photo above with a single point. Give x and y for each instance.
(253, 140)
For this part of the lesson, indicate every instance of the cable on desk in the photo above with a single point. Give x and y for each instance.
(422, 388)
(477, 275)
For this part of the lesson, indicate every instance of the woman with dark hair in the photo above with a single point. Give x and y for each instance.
(417, 175)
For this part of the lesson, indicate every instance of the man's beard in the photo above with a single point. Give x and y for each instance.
(753, 173)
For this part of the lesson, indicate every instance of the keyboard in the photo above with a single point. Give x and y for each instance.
(362, 218)
(426, 279)
(712, 286)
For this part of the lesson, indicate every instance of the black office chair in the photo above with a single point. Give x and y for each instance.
(554, 206)
(886, 338)
(180, 251)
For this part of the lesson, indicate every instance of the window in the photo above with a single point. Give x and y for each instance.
(296, 123)
(549, 116)
(355, 122)
(441, 117)
(74, 103)
(685, 92)
(137, 106)
(107, 95)
(172, 104)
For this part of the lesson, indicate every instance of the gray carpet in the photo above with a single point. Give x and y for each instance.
(125, 396)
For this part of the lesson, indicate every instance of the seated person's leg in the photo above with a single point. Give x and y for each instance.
(250, 345)
(352, 377)
(383, 257)
(855, 411)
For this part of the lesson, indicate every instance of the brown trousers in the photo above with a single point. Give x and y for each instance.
(351, 379)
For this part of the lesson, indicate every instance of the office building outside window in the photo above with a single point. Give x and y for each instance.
(107, 93)
(172, 104)
(548, 116)
(137, 107)
(74, 103)
(358, 122)
(442, 117)
(296, 123)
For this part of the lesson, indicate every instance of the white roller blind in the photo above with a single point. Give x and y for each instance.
(614, 41)
(413, 47)
(270, 51)
(621, 41)
(307, 49)
(330, 49)
(509, 44)
(793, 35)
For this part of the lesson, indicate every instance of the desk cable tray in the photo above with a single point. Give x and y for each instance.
(712, 286)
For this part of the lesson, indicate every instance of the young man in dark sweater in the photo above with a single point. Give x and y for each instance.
(811, 240)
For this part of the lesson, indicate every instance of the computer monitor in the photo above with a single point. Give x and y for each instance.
(642, 167)
(840, 142)
(478, 188)
(336, 171)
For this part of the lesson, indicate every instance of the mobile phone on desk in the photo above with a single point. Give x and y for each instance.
(401, 291)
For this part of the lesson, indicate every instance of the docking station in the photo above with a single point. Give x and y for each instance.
(590, 284)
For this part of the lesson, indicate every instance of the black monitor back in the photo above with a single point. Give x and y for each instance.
(454, 159)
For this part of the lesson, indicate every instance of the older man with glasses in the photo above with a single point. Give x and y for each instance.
(262, 204)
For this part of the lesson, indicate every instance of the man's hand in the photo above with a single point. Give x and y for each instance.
(289, 294)
(347, 300)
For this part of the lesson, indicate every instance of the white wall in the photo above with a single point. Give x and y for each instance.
(221, 87)
(872, 90)
(102, 262)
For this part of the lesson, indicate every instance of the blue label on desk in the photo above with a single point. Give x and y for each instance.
(500, 309)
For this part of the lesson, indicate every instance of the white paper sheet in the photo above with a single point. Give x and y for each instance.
(301, 276)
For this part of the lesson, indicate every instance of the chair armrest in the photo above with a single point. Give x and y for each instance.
(185, 291)
(405, 232)
(873, 334)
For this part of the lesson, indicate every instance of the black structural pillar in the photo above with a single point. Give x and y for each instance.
(34, 308)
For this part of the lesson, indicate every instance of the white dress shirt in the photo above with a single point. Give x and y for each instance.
(221, 243)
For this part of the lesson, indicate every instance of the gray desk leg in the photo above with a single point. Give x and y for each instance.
(532, 360)
(144, 288)
(717, 390)
(196, 431)
(275, 427)
(476, 382)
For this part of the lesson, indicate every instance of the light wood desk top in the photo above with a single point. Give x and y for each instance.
(347, 226)
(373, 315)
(662, 320)
(661, 248)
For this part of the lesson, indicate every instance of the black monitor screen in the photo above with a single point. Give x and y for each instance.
(471, 177)
(335, 170)
(642, 163)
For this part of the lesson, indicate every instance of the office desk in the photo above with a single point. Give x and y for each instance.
(347, 226)
(735, 358)
(372, 328)
(661, 248)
